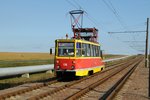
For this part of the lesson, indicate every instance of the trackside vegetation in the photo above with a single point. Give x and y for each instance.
(12, 59)
(16, 59)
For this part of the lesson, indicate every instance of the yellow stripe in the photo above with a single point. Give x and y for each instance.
(98, 69)
(76, 57)
(88, 42)
(84, 72)
(75, 40)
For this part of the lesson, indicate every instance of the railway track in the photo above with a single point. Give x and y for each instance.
(112, 63)
(109, 88)
(52, 89)
(27, 88)
(117, 86)
(103, 84)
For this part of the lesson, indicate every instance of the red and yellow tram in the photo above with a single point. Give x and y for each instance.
(80, 55)
(77, 57)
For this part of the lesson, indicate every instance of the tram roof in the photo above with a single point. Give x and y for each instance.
(85, 29)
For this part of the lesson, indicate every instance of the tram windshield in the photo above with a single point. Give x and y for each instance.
(66, 49)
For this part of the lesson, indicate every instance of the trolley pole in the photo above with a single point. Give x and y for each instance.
(146, 46)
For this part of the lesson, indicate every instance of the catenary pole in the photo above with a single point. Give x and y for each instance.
(149, 75)
(146, 46)
(147, 62)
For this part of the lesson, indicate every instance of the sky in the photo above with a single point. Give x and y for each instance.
(34, 25)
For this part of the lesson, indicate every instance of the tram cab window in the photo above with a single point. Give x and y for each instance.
(65, 49)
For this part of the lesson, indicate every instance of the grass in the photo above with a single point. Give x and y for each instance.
(9, 59)
(12, 59)
(13, 56)
(11, 82)
(109, 56)
(24, 63)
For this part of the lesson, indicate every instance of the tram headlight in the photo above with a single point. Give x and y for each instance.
(73, 62)
(72, 67)
(58, 67)
(57, 61)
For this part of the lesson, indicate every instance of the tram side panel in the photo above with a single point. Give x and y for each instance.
(80, 67)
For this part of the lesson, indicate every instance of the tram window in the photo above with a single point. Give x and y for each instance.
(78, 45)
(78, 49)
(91, 50)
(65, 49)
(88, 49)
(97, 51)
(94, 49)
(84, 51)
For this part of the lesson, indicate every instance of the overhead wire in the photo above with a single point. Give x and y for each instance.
(89, 17)
(92, 19)
(110, 6)
(72, 4)
(114, 11)
(78, 5)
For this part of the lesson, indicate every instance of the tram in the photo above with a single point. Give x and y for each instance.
(79, 55)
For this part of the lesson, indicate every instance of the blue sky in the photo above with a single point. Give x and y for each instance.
(33, 25)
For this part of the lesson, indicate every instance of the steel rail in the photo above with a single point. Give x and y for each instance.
(37, 86)
(92, 86)
(52, 81)
(44, 94)
(115, 88)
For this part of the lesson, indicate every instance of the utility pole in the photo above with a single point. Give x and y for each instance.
(146, 46)
(149, 77)
(147, 62)
(147, 59)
